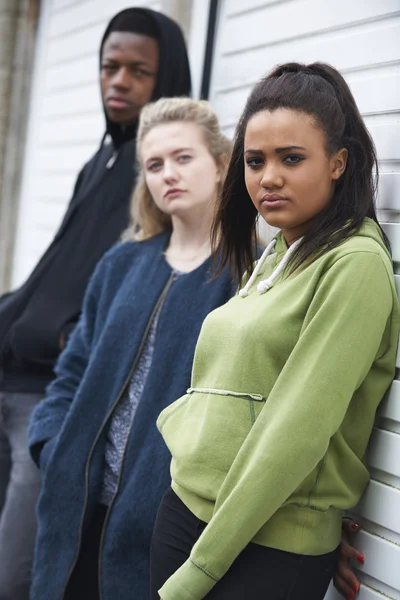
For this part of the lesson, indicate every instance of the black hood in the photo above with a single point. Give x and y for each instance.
(174, 71)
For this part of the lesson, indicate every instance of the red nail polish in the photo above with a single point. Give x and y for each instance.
(355, 587)
(355, 527)
(351, 596)
(360, 559)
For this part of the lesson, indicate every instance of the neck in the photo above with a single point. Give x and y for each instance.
(189, 245)
(189, 235)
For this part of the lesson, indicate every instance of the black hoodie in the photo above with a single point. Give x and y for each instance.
(49, 302)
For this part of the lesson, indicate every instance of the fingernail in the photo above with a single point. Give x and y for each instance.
(351, 596)
(360, 559)
(355, 527)
(355, 587)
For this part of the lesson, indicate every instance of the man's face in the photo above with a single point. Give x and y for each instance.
(129, 70)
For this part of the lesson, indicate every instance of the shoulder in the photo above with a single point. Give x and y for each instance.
(356, 243)
(358, 250)
(102, 154)
(124, 255)
(360, 266)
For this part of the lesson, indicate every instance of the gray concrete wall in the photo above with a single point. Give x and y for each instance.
(18, 20)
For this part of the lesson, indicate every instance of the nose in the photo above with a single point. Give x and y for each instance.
(170, 172)
(271, 177)
(121, 78)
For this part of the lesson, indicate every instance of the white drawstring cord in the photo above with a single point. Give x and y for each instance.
(266, 284)
(245, 291)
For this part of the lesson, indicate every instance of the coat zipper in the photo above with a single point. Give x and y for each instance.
(160, 301)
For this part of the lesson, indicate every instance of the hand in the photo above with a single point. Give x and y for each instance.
(344, 579)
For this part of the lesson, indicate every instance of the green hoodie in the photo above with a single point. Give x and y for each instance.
(268, 444)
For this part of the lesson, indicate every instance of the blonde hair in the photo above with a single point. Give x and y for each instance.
(147, 219)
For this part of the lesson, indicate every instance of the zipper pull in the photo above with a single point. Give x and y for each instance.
(112, 160)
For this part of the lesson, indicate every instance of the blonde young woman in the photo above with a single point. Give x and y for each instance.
(105, 467)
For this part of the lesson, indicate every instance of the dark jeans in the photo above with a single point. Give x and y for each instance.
(84, 581)
(259, 573)
(19, 490)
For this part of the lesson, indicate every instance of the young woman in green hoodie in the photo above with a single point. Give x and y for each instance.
(268, 444)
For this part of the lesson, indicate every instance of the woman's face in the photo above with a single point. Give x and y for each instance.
(288, 174)
(180, 172)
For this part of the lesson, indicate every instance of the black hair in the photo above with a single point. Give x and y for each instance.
(321, 92)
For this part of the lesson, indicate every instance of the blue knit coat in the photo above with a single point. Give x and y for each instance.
(74, 418)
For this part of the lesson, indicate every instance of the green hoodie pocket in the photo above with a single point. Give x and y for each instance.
(204, 430)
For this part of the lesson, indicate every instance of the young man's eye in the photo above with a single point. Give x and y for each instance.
(109, 68)
(141, 73)
(254, 162)
(293, 159)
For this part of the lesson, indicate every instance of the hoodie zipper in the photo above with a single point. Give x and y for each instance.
(158, 305)
(112, 160)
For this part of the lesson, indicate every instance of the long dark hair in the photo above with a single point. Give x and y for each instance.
(321, 92)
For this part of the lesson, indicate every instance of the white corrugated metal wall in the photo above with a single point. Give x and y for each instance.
(362, 39)
(66, 120)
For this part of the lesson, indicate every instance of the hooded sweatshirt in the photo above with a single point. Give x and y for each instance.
(269, 442)
(49, 303)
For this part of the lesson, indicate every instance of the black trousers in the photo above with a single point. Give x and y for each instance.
(259, 573)
(84, 581)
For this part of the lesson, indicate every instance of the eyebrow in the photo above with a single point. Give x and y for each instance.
(185, 149)
(137, 63)
(155, 157)
(173, 152)
(277, 150)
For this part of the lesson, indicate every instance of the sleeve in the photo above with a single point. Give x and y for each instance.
(69, 328)
(4, 296)
(340, 338)
(49, 415)
(78, 181)
(77, 185)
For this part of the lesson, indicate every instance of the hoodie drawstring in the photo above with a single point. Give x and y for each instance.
(245, 291)
(266, 284)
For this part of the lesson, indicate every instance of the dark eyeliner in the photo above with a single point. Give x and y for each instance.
(298, 158)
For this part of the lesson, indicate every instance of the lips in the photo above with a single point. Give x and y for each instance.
(273, 200)
(117, 103)
(172, 193)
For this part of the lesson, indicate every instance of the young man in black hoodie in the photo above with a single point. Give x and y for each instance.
(142, 57)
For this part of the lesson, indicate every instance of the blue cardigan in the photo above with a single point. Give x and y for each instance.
(74, 417)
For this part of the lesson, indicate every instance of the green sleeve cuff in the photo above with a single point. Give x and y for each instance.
(189, 582)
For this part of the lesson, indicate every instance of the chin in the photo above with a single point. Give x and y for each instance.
(276, 218)
(121, 119)
(273, 221)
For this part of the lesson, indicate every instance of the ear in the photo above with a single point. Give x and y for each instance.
(339, 162)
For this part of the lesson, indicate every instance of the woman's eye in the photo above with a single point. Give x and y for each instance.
(293, 159)
(254, 163)
(184, 158)
(154, 167)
